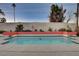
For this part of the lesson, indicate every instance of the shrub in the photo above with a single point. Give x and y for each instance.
(27, 30)
(2, 31)
(50, 29)
(77, 30)
(78, 34)
(19, 28)
(63, 29)
(41, 30)
(68, 30)
(35, 30)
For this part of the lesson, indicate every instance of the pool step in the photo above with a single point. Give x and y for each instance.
(75, 41)
(8, 38)
(5, 42)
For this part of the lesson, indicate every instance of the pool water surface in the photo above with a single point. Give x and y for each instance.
(40, 40)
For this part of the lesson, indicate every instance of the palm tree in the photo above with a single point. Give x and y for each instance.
(13, 5)
(57, 13)
(1, 12)
(3, 20)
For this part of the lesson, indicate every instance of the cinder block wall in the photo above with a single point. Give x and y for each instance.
(36, 25)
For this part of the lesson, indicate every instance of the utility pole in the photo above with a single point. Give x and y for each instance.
(77, 16)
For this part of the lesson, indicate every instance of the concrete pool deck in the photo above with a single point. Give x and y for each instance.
(48, 50)
(39, 49)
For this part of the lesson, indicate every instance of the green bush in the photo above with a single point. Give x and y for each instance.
(68, 30)
(35, 30)
(19, 28)
(1, 31)
(41, 30)
(50, 29)
(77, 30)
(77, 34)
(64, 29)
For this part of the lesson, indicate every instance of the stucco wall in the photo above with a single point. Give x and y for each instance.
(36, 25)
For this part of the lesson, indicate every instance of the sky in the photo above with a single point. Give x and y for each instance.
(34, 12)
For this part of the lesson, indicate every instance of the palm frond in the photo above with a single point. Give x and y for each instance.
(14, 5)
(1, 12)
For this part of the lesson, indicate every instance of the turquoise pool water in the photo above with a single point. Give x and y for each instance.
(39, 40)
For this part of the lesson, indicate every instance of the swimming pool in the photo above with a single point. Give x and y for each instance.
(39, 40)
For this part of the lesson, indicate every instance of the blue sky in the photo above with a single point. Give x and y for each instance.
(34, 12)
